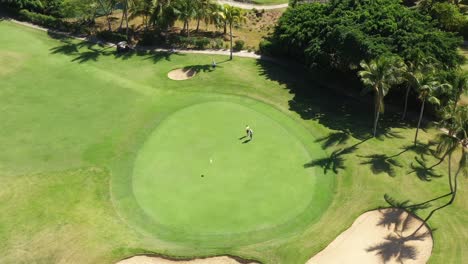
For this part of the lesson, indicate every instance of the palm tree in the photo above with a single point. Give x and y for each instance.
(144, 9)
(107, 6)
(427, 88)
(415, 70)
(232, 16)
(460, 85)
(458, 133)
(378, 76)
(126, 6)
(163, 13)
(185, 11)
(202, 11)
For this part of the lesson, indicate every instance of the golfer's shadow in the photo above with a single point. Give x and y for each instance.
(245, 141)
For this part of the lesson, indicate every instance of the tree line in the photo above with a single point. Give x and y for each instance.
(156, 15)
(409, 46)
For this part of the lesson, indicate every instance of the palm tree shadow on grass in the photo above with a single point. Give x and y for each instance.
(335, 161)
(334, 138)
(84, 51)
(423, 171)
(381, 163)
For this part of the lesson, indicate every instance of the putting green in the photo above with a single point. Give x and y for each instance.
(197, 177)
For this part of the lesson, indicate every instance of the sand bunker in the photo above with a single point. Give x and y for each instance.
(160, 260)
(182, 74)
(380, 236)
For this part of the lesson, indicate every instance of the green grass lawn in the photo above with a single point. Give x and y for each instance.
(80, 123)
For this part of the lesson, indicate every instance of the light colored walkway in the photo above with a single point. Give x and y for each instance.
(252, 6)
(243, 53)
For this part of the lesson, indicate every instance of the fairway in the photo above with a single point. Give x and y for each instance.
(104, 157)
(199, 176)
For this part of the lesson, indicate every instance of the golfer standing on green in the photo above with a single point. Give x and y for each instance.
(250, 133)
(247, 129)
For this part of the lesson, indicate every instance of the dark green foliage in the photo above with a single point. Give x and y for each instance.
(238, 45)
(189, 42)
(111, 36)
(40, 19)
(342, 33)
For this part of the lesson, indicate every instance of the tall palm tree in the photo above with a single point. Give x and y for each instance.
(185, 11)
(427, 88)
(126, 6)
(163, 13)
(460, 85)
(378, 76)
(202, 11)
(449, 143)
(415, 70)
(144, 9)
(107, 6)
(232, 16)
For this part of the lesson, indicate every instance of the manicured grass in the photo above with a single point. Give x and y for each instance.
(74, 118)
(198, 169)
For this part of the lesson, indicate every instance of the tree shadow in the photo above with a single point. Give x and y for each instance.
(395, 246)
(335, 161)
(319, 96)
(85, 51)
(199, 68)
(423, 171)
(334, 138)
(381, 163)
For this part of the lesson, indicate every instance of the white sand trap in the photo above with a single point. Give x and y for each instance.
(380, 236)
(182, 74)
(159, 260)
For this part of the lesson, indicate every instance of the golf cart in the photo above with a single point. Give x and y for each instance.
(123, 46)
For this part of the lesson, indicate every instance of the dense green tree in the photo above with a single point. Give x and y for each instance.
(378, 77)
(342, 33)
(448, 16)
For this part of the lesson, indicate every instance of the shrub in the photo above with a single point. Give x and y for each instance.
(265, 47)
(201, 43)
(53, 22)
(190, 42)
(217, 43)
(238, 45)
(111, 36)
(151, 38)
(39, 19)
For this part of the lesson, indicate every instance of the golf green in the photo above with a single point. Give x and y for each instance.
(199, 177)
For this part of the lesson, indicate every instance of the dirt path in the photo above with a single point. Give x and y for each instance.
(380, 236)
(252, 6)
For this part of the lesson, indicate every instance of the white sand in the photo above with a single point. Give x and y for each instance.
(159, 260)
(368, 231)
(181, 74)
